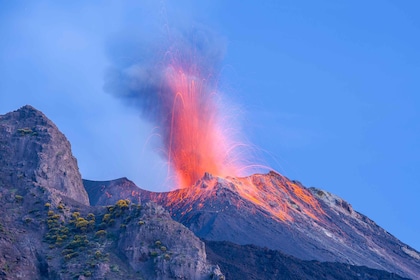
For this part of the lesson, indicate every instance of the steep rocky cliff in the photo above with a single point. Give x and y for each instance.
(48, 230)
(34, 152)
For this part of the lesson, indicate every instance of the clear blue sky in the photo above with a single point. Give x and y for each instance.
(329, 89)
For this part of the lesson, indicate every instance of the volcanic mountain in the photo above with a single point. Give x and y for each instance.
(54, 225)
(271, 211)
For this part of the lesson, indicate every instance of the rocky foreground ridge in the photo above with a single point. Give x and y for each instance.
(48, 230)
(53, 225)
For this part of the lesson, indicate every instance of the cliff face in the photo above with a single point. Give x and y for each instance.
(48, 230)
(33, 151)
(36, 167)
(161, 248)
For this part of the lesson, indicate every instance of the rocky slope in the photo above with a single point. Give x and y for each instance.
(309, 224)
(264, 264)
(49, 231)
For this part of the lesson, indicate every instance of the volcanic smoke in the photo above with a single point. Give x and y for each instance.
(177, 92)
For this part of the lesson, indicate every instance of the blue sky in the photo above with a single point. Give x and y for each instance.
(328, 90)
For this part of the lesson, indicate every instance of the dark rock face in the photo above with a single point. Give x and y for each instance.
(262, 263)
(34, 151)
(49, 231)
(215, 210)
(161, 248)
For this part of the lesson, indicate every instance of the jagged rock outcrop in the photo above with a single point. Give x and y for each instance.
(34, 152)
(36, 166)
(176, 252)
(48, 230)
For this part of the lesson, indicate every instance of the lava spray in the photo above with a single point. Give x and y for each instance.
(175, 88)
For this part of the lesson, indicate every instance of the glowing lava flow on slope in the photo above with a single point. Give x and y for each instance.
(273, 194)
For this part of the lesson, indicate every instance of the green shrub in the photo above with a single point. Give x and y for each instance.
(123, 203)
(18, 198)
(106, 218)
(25, 130)
(67, 251)
(59, 240)
(70, 256)
(64, 230)
(82, 224)
(78, 242)
(100, 233)
(98, 255)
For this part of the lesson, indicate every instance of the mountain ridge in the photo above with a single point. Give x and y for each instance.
(214, 211)
(49, 230)
(58, 226)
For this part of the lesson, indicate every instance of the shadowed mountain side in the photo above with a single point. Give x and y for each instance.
(218, 209)
(258, 263)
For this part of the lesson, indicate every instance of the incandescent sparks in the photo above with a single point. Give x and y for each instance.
(178, 94)
(194, 139)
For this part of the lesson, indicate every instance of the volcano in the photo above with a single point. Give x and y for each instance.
(54, 225)
(278, 214)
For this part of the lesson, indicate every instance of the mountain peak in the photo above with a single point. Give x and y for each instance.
(30, 113)
(28, 107)
(34, 151)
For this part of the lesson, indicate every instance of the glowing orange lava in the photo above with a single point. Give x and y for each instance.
(196, 142)
(279, 196)
(272, 194)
